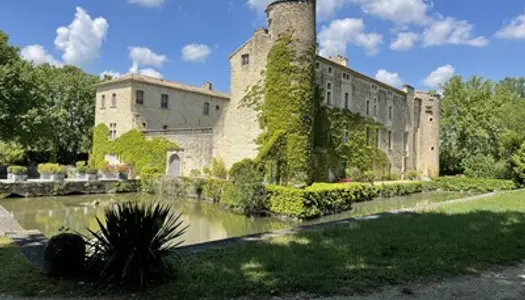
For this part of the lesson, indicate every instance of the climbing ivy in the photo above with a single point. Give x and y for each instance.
(302, 139)
(132, 148)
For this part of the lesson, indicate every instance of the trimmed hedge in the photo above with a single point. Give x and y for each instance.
(465, 184)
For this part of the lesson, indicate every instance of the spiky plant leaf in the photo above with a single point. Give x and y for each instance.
(134, 244)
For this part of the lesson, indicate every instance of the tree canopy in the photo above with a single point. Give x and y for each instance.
(45, 109)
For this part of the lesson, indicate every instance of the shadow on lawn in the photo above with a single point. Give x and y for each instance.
(355, 257)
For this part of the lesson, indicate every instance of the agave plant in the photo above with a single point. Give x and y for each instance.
(136, 244)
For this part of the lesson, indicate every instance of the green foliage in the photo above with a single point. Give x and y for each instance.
(414, 175)
(218, 168)
(463, 184)
(81, 167)
(52, 168)
(286, 201)
(64, 255)
(245, 190)
(286, 113)
(131, 148)
(17, 170)
(479, 166)
(135, 243)
(11, 153)
(213, 188)
(369, 176)
(518, 165)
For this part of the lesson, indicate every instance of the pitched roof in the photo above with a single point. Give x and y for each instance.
(165, 83)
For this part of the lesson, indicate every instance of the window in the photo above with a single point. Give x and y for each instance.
(112, 131)
(114, 100)
(165, 127)
(405, 143)
(317, 65)
(139, 97)
(390, 113)
(368, 107)
(375, 107)
(378, 138)
(390, 140)
(206, 108)
(346, 100)
(345, 136)
(329, 70)
(164, 101)
(144, 125)
(103, 102)
(217, 107)
(431, 119)
(245, 59)
(432, 148)
(368, 136)
(329, 93)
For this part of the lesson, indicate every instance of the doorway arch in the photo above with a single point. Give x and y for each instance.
(174, 166)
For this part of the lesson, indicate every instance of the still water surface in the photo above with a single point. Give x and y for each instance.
(206, 221)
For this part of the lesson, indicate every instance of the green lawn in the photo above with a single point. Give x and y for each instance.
(360, 257)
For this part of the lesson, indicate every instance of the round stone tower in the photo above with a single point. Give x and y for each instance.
(297, 18)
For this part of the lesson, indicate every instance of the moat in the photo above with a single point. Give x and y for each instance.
(207, 221)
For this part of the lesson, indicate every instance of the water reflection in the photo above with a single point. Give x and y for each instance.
(207, 221)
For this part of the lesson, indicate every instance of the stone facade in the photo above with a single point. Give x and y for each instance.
(410, 136)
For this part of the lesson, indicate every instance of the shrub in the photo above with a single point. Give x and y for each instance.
(122, 169)
(246, 170)
(368, 176)
(414, 175)
(51, 168)
(218, 168)
(213, 188)
(64, 255)
(470, 184)
(81, 167)
(136, 244)
(392, 177)
(287, 201)
(245, 189)
(17, 170)
(479, 166)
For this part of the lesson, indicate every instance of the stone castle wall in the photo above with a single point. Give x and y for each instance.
(429, 119)
(196, 144)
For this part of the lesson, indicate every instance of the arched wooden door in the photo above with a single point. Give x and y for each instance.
(174, 168)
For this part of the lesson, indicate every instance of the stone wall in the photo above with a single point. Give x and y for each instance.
(196, 144)
(428, 138)
(119, 114)
(53, 188)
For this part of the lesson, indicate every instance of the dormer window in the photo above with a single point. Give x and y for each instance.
(245, 59)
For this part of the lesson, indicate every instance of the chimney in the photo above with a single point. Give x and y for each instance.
(339, 59)
(208, 85)
(408, 89)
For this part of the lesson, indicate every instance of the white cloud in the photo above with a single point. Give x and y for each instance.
(142, 56)
(148, 3)
(392, 79)
(38, 55)
(259, 5)
(195, 53)
(439, 76)
(515, 30)
(404, 41)
(398, 11)
(151, 73)
(453, 32)
(335, 38)
(109, 73)
(82, 39)
(327, 8)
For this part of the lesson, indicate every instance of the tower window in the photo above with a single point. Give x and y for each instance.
(390, 113)
(139, 97)
(165, 127)
(431, 119)
(368, 107)
(245, 59)
(103, 102)
(144, 125)
(164, 101)
(317, 65)
(217, 107)
(390, 140)
(328, 93)
(378, 138)
(329, 70)
(114, 100)
(206, 108)
(112, 131)
(346, 100)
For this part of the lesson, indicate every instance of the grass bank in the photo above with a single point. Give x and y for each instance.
(454, 239)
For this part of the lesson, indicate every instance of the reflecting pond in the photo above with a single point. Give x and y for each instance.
(207, 221)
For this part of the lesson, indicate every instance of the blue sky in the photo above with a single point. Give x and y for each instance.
(418, 42)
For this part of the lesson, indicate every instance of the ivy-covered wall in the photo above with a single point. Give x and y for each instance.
(132, 148)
